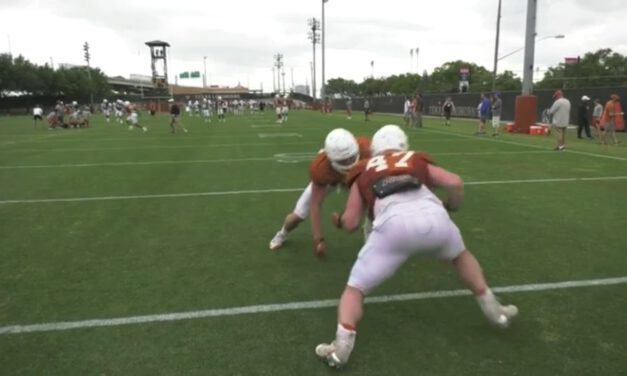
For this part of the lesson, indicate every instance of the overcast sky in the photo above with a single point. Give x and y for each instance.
(240, 37)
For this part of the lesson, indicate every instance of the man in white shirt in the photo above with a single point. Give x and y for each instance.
(560, 117)
(406, 111)
(37, 114)
(597, 113)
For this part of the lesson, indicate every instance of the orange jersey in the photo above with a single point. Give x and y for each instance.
(367, 172)
(322, 173)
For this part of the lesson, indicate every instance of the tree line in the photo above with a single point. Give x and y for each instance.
(603, 68)
(18, 76)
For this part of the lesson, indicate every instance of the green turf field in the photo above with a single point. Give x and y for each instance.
(161, 237)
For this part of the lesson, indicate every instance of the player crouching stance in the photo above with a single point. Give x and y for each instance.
(395, 186)
(341, 152)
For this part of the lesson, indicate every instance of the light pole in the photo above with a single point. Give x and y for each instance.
(496, 60)
(496, 46)
(87, 59)
(526, 108)
(417, 51)
(278, 64)
(323, 84)
(559, 36)
(204, 77)
(314, 36)
(530, 45)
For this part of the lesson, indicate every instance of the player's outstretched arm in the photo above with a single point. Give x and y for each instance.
(318, 193)
(351, 217)
(453, 184)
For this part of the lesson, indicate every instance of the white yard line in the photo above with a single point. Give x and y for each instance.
(159, 147)
(283, 190)
(145, 163)
(278, 135)
(293, 306)
(299, 157)
(139, 141)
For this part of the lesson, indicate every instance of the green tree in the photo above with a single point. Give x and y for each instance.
(507, 81)
(20, 75)
(602, 68)
(445, 78)
(7, 82)
(341, 86)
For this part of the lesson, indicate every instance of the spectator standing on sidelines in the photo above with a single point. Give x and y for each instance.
(582, 111)
(367, 109)
(497, 107)
(418, 111)
(597, 113)
(447, 109)
(349, 108)
(560, 117)
(613, 112)
(484, 112)
(406, 112)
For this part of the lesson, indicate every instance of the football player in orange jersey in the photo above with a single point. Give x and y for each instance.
(327, 171)
(394, 187)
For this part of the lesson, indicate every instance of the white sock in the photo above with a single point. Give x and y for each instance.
(344, 342)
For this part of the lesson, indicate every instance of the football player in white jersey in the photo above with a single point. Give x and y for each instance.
(222, 109)
(119, 111)
(132, 118)
(37, 114)
(285, 108)
(206, 111)
(105, 109)
(278, 108)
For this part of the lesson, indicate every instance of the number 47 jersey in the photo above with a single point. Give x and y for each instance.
(383, 177)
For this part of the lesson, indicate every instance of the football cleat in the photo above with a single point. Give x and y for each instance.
(327, 353)
(337, 353)
(496, 313)
(278, 240)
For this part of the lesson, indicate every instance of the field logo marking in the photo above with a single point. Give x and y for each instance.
(294, 157)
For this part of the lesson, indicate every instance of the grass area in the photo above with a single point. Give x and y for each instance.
(117, 253)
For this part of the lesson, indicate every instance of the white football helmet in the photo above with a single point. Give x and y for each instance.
(127, 103)
(389, 137)
(342, 149)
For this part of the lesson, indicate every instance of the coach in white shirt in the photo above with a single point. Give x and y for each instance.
(560, 117)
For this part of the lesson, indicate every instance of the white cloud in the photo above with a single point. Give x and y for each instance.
(240, 37)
